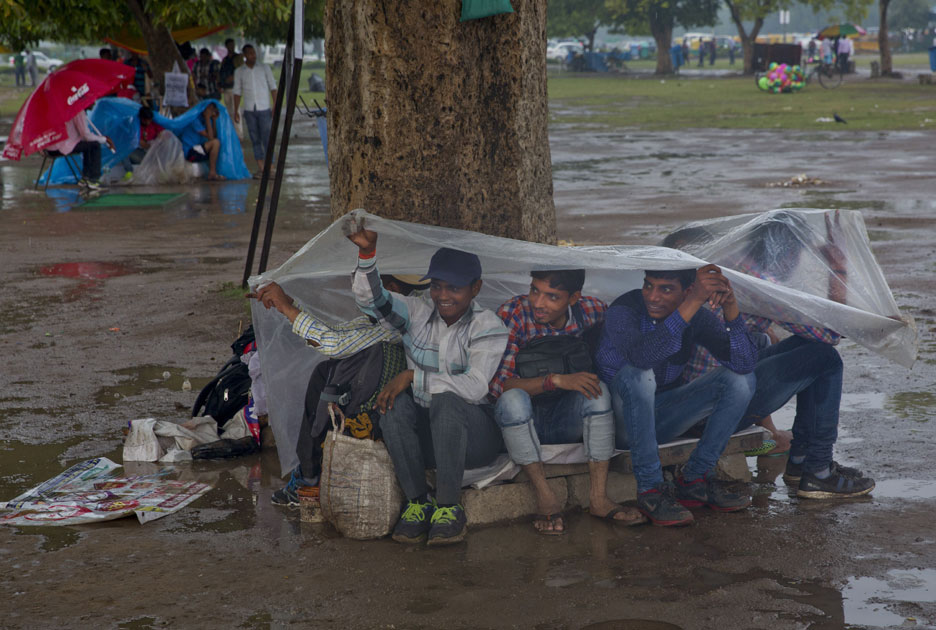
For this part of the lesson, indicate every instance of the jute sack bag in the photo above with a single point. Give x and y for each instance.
(358, 490)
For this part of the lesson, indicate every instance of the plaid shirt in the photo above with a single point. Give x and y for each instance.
(702, 360)
(460, 358)
(343, 339)
(522, 327)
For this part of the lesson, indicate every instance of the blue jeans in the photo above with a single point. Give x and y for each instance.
(645, 418)
(450, 435)
(811, 371)
(571, 418)
(258, 126)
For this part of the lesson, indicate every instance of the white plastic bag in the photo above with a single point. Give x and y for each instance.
(164, 162)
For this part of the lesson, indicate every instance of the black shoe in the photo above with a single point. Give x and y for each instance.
(449, 525)
(711, 492)
(288, 495)
(414, 521)
(837, 485)
(659, 505)
(794, 472)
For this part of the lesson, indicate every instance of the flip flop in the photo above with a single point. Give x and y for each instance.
(550, 518)
(767, 446)
(617, 510)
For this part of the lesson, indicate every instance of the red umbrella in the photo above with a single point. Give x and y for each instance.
(60, 97)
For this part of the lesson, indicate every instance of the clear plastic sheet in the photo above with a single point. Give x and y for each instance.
(818, 269)
(163, 163)
(318, 277)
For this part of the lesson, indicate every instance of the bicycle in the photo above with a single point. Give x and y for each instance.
(829, 75)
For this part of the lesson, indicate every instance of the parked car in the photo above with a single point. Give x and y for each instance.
(44, 61)
(560, 52)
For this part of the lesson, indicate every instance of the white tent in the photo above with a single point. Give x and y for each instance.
(318, 277)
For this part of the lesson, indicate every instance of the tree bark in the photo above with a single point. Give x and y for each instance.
(662, 31)
(438, 121)
(887, 64)
(161, 48)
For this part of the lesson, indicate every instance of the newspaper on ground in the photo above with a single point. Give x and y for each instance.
(90, 492)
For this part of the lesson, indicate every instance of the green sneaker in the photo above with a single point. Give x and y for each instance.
(449, 525)
(414, 524)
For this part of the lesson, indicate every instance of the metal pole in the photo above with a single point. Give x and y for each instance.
(271, 146)
(281, 161)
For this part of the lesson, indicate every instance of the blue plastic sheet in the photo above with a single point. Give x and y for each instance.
(118, 119)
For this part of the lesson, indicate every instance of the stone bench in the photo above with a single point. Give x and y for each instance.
(570, 482)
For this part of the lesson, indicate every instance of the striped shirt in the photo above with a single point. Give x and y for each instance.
(460, 358)
(518, 315)
(342, 340)
(632, 337)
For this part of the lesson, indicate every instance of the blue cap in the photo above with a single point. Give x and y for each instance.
(457, 268)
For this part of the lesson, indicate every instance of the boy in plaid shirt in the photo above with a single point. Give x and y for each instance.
(579, 410)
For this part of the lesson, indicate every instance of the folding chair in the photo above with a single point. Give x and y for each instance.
(54, 155)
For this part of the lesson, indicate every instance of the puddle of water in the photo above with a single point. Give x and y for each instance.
(145, 378)
(54, 538)
(87, 270)
(27, 465)
(867, 600)
(140, 623)
(910, 489)
(916, 406)
(631, 624)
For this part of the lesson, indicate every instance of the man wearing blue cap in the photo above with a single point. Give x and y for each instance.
(436, 413)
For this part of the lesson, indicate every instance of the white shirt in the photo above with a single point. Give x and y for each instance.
(253, 85)
(845, 46)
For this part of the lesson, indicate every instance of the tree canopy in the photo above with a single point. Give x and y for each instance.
(25, 22)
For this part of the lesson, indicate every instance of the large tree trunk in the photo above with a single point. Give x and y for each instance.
(662, 31)
(438, 121)
(887, 64)
(161, 48)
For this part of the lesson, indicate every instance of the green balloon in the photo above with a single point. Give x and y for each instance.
(763, 83)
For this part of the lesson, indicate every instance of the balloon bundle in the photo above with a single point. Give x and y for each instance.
(782, 78)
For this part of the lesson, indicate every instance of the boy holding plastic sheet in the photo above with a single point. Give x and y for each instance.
(435, 413)
(556, 408)
(647, 339)
(336, 341)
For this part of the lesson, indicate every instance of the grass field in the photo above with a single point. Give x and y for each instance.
(727, 102)
(735, 102)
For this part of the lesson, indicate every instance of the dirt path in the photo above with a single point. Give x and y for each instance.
(70, 381)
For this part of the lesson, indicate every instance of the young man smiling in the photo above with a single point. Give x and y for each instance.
(436, 413)
(556, 408)
(647, 340)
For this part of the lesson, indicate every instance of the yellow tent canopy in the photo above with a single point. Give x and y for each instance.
(130, 39)
(4, 50)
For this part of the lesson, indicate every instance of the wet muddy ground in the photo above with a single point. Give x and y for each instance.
(98, 303)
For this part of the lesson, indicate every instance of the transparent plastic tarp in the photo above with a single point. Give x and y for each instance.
(318, 277)
(118, 118)
(163, 163)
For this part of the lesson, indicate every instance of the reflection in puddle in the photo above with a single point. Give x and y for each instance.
(87, 270)
(145, 378)
(54, 538)
(867, 600)
(917, 406)
(631, 624)
(905, 489)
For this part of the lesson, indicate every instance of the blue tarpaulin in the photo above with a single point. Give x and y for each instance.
(118, 119)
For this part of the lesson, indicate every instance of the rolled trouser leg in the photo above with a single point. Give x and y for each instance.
(514, 415)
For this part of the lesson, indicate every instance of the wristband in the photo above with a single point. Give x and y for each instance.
(548, 385)
(363, 256)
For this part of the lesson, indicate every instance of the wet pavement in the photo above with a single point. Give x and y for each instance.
(107, 312)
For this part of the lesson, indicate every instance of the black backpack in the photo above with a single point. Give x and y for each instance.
(226, 393)
(559, 354)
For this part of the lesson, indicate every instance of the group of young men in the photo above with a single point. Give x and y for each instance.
(658, 361)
